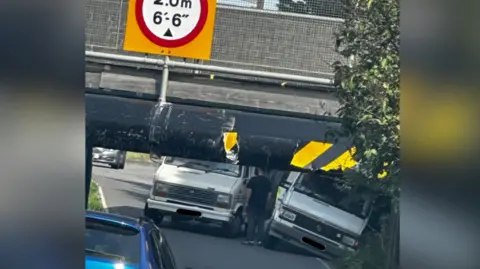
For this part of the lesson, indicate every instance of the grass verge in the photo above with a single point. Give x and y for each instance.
(94, 200)
(136, 156)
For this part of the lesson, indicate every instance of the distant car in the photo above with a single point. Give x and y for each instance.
(116, 241)
(112, 157)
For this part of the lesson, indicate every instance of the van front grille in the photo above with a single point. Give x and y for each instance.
(192, 195)
(317, 226)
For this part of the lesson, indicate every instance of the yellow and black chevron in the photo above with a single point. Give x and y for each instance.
(323, 155)
(326, 156)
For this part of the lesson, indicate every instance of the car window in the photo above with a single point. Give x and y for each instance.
(112, 241)
(155, 247)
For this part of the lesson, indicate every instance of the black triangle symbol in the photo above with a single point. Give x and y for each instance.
(168, 33)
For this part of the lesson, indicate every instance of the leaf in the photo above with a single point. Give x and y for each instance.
(384, 62)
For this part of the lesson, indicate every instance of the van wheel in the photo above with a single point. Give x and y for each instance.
(269, 242)
(232, 229)
(153, 214)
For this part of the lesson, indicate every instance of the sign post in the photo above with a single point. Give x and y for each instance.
(174, 28)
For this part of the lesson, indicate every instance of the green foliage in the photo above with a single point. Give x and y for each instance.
(368, 89)
(136, 156)
(94, 201)
(369, 92)
(375, 252)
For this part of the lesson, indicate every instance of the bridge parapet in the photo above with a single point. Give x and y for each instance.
(244, 38)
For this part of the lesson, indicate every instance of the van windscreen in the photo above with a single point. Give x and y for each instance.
(207, 166)
(323, 188)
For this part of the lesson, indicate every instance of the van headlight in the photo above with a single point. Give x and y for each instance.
(160, 189)
(349, 241)
(288, 215)
(223, 200)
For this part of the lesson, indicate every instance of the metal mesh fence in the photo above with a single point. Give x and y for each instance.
(283, 36)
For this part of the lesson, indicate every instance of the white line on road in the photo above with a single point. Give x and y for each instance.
(102, 198)
(324, 263)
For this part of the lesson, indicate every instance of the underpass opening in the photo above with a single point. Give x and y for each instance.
(286, 146)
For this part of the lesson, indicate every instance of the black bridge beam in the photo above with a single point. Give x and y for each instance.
(118, 122)
(197, 132)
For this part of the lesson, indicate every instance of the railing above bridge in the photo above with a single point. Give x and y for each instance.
(249, 38)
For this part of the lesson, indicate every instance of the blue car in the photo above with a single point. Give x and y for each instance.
(120, 242)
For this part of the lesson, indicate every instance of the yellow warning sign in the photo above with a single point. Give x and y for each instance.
(179, 28)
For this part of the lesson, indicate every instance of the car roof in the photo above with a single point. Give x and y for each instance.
(119, 219)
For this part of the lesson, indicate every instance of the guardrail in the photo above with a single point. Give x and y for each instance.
(169, 63)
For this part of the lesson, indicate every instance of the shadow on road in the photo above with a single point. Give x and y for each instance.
(200, 228)
(191, 227)
(140, 185)
(139, 192)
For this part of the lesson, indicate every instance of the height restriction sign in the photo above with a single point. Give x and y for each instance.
(180, 28)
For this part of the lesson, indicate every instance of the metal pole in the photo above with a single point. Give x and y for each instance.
(164, 85)
(212, 68)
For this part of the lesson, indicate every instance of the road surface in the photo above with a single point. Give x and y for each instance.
(194, 246)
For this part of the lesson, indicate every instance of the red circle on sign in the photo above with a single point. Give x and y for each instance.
(176, 42)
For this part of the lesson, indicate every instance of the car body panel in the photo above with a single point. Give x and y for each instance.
(326, 212)
(108, 156)
(144, 228)
(100, 263)
(119, 219)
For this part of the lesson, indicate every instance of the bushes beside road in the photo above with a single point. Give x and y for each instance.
(139, 157)
(94, 200)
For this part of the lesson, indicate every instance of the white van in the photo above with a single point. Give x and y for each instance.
(187, 189)
(314, 215)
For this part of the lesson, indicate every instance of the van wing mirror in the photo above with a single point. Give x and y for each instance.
(245, 181)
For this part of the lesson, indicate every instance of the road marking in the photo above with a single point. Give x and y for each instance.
(324, 263)
(102, 198)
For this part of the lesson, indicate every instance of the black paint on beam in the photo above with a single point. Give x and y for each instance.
(264, 140)
(197, 132)
(118, 122)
